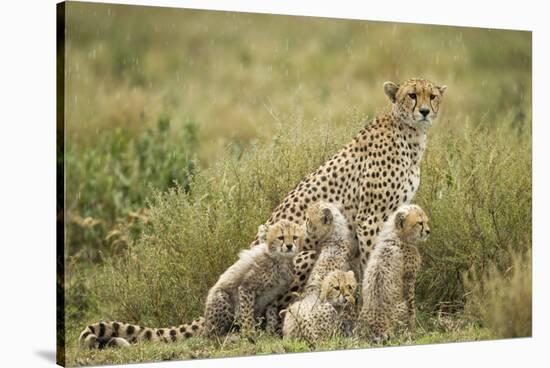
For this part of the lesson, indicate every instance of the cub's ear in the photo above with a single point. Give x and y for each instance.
(350, 274)
(442, 89)
(326, 216)
(400, 219)
(390, 89)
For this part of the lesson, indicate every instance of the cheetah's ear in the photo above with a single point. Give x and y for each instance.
(326, 216)
(351, 274)
(390, 89)
(442, 89)
(400, 220)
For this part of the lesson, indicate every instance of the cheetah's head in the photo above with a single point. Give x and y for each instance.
(284, 238)
(339, 288)
(416, 101)
(411, 223)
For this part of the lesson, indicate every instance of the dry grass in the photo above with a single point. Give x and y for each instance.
(502, 299)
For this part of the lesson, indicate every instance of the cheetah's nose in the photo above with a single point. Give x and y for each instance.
(424, 111)
(427, 231)
(289, 246)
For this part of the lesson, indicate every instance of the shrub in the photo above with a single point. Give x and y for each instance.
(502, 299)
(476, 188)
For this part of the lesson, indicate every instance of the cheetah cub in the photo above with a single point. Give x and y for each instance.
(390, 275)
(243, 293)
(331, 312)
(314, 316)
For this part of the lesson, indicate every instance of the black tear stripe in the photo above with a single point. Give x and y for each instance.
(92, 329)
(432, 106)
(101, 329)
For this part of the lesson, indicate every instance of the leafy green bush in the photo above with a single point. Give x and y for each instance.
(109, 180)
(502, 299)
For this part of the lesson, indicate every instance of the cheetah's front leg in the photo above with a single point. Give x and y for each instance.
(408, 290)
(273, 324)
(246, 310)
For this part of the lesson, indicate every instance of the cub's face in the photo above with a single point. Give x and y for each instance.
(339, 288)
(412, 224)
(284, 238)
(319, 221)
(416, 101)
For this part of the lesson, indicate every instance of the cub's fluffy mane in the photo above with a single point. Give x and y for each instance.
(341, 230)
(232, 277)
(388, 230)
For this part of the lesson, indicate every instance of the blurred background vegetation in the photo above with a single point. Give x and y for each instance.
(185, 128)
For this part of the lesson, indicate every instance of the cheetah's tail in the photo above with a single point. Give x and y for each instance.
(119, 334)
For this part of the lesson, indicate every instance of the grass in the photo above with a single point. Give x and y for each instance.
(502, 300)
(198, 348)
(185, 129)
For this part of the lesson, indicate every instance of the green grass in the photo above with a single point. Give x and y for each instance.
(233, 346)
(186, 128)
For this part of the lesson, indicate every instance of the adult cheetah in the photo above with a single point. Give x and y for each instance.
(374, 174)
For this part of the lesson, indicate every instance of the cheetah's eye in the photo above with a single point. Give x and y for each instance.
(294, 238)
(281, 238)
(336, 288)
(412, 95)
(432, 97)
